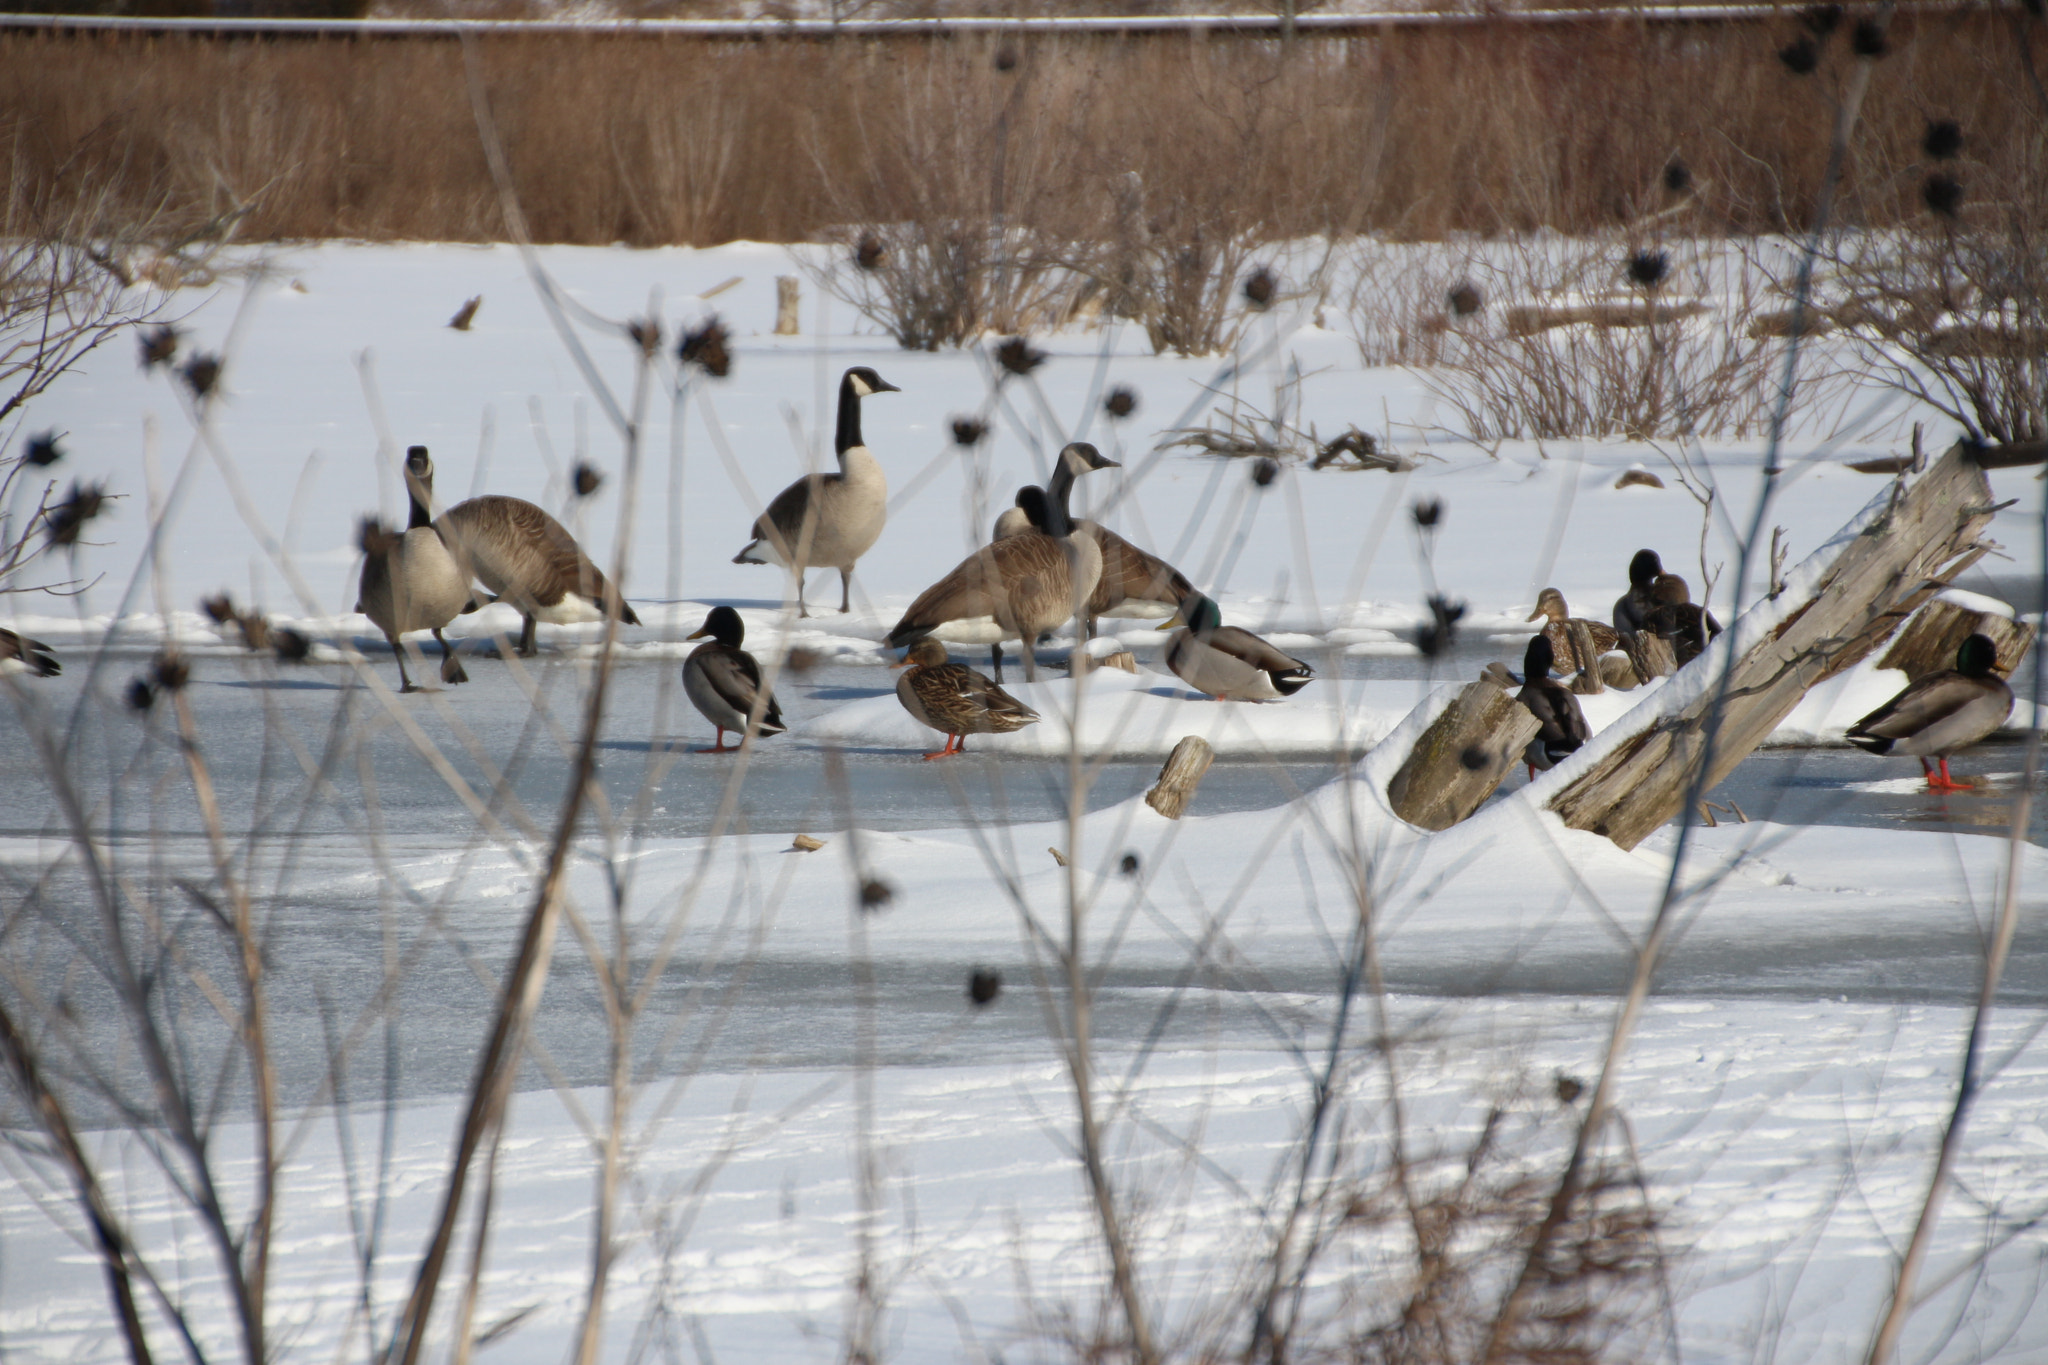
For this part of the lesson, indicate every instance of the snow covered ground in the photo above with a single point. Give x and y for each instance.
(1784, 1102)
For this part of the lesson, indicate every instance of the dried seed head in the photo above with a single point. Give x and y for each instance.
(1647, 268)
(170, 672)
(374, 538)
(1800, 56)
(201, 374)
(1944, 138)
(1259, 288)
(219, 609)
(1440, 632)
(1677, 176)
(140, 695)
(1006, 58)
(290, 645)
(1265, 469)
(159, 344)
(1473, 758)
(1018, 356)
(255, 628)
(1943, 194)
(983, 986)
(875, 893)
(43, 450)
(1427, 512)
(1821, 20)
(1569, 1088)
(1465, 298)
(1122, 401)
(586, 479)
(1868, 40)
(67, 519)
(1129, 865)
(868, 255)
(705, 348)
(646, 334)
(968, 431)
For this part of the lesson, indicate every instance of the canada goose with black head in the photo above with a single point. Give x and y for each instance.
(1941, 713)
(1133, 583)
(529, 561)
(413, 580)
(828, 520)
(724, 682)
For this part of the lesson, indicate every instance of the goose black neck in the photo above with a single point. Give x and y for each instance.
(1058, 520)
(848, 435)
(421, 514)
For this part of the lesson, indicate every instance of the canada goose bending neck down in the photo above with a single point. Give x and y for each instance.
(1020, 587)
(724, 682)
(529, 561)
(955, 700)
(413, 581)
(19, 654)
(1563, 724)
(828, 520)
(1941, 713)
(1227, 663)
(1133, 583)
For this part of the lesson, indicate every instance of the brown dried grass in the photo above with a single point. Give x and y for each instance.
(649, 140)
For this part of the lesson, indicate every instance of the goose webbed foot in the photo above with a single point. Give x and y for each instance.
(845, 592)
(452, 671)
(526, 646)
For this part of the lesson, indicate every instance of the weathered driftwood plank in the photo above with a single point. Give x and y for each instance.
(1928, 535)
(1929, 641)
(1649, 654)
(786, 320)
(1461, 757)
(1183, 772)
(1588, 680)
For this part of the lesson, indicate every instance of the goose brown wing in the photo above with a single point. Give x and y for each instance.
(986, 584)
(517, 548)
(1131, 575)
(783, 522)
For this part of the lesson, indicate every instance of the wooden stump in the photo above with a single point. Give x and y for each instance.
(1589, 681)
(1462, 756)
(1929, 641)
(1650, 654)
(1183, 772)
(1913, 548)
(785, 306)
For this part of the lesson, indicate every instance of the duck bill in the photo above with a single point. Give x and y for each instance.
(698, 634)
(1177, 621)
(1537, 615)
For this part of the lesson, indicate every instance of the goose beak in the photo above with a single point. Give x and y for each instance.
(884, 386)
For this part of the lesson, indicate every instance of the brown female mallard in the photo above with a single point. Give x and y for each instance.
(1550, 603)
(955, 700)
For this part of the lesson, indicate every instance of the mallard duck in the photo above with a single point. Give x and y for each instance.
(1633, 605)
(1550, 603)
(1018, 588)
(1674, 616)
(19, 654)
(1941, 713)
(1227, 663)
(1133, 583)
(413, 581)
(529, 561)
(828, 520)
(724, 682)
(955, 700)
(1564, 726)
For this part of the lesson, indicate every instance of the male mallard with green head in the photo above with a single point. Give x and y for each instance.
(1227, 663)
(724, 682)
(1941, 713)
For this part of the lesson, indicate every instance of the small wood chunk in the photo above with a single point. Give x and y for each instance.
(786, 305)
(1650, 654)
(804, 843)
(1928, 643)
(1058, 856)
(1462, 756)
(1123, 659)
(1183, 773)
(1589, 680)
(2014, 455)
(466, 314)
(1883, 464)
(1638, 478)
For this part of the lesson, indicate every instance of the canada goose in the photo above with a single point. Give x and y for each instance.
(1674, 616)
(955, 700)
(1143, 585)
(412, 581)
(1564, 726)
(828, 520)
(19, 654)
(1941, 713)
(1550, 603)
(1020, 587)
(530, 562)
(1633, 605)
(1227, 663)
(724, 681)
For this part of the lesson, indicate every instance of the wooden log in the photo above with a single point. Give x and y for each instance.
(1650, 654)
(1928, 643)
(1589, 681)
(1462, 756)
(1529, 319)
(1910, 550)
(785, 306)
(1183, 773)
